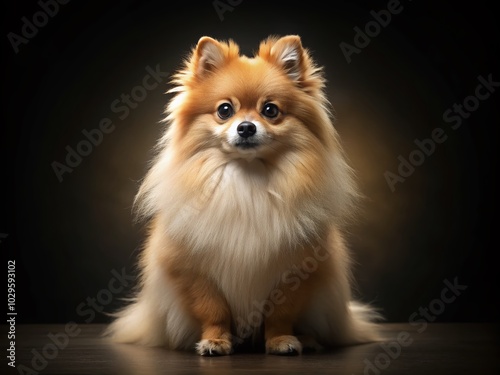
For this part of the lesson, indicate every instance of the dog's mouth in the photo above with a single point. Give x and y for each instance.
(243, 148)
(246, 144)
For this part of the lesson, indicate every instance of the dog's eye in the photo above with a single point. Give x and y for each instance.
(225, 111)
(270, 110)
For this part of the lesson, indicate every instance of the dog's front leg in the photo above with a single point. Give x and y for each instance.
(279, 326)
(203, 300)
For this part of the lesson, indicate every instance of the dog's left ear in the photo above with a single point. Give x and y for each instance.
(287, 52)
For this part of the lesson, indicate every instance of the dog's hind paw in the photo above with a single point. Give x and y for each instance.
(309, 344)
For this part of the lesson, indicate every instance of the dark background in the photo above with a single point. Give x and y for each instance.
(441, 223)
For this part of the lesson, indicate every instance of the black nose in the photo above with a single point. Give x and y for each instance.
(246, 129)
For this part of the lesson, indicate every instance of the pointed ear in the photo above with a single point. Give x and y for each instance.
(287, 52)
(208, 56)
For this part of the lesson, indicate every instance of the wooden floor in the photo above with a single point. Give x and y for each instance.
(438, 349)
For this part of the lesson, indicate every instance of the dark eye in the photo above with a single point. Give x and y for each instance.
(225, 111)
(270, 110)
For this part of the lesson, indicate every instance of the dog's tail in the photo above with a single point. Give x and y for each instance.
(135, 324)
(363, 327)
(154, 319)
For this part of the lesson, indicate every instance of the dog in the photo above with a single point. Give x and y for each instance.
(246, 202)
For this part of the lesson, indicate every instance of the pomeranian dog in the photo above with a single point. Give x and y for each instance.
(246, 201)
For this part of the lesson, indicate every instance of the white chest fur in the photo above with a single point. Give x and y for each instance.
(243, 232)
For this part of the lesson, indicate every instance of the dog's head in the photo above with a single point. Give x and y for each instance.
(259, 107)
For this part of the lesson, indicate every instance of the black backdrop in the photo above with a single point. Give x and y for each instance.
(71, 238)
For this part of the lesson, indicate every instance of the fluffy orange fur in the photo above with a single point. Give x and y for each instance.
(245, 235)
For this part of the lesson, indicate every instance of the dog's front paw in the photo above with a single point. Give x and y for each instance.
(214, 347)
(284, 345)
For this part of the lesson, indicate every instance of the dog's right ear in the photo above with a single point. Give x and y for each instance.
(210, 54)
